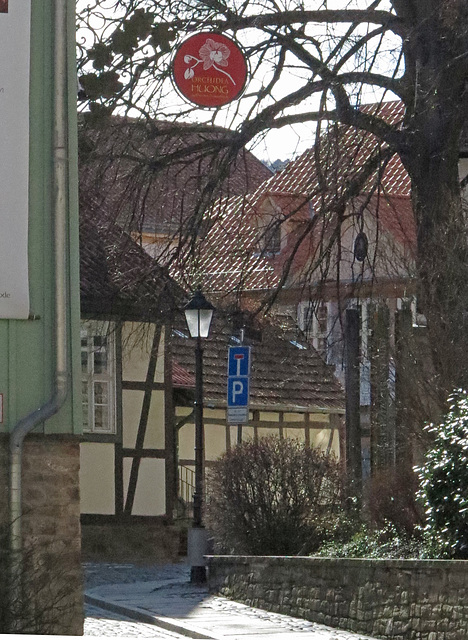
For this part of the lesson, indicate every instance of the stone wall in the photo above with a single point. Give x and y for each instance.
(51, 531)
(398, 599)
(133, 539)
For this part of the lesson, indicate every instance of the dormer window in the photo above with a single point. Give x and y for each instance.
(270, 228)
(270, 240)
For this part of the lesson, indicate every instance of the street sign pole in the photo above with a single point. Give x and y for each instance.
(239, 426)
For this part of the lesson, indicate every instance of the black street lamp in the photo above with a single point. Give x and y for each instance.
(198, 315)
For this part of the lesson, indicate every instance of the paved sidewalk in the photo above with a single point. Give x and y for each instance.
(101, 623)
(171, 603)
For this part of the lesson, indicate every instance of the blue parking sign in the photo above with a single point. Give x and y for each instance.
(238, 385)
(238, 391)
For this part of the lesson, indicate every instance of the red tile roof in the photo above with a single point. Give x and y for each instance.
(117, 277)
(343, 153)
(150, 175)
(230, 257)
(286, 374)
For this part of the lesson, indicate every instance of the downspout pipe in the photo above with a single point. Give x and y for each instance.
(60, 181)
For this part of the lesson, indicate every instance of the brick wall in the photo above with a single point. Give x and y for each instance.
(398, 599)
(51, 529)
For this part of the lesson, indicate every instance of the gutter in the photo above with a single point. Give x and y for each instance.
(55, 402)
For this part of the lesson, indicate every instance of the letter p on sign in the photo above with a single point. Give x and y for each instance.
(238, 392)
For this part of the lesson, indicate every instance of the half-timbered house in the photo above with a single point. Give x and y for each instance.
(292, 393)
(137, 454)
(127, 452)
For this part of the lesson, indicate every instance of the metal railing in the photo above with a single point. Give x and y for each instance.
(185, 492)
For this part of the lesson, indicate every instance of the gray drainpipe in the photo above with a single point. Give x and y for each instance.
(52, 406)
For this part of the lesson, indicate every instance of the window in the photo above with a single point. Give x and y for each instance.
(313, 320)
(271, 240)
(98, 378)
(270, 228)
(321, 329)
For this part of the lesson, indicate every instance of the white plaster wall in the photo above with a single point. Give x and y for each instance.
(137, 339)
(215, 440)
(151, 486)
(271, 417)
(154, 438)
(265, 432)
(187, 442)
(294, 417)
(215, 435)
(132, 402)
(321, 437)
(296, 434)
(247, 434)
(131, 409)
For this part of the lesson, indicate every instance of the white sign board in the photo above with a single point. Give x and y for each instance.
(15, 30)
(237, 415)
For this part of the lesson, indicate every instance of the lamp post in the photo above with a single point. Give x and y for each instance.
(198, 315)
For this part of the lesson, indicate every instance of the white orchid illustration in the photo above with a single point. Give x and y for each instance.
(212, 54)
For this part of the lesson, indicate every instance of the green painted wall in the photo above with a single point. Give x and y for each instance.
(26, 346)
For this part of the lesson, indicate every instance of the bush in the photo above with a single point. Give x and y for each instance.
(40, 597)
(444, 481)
(273, 497)
(386, 542)
(391, 499)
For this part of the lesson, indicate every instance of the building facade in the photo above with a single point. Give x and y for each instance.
(41, 416)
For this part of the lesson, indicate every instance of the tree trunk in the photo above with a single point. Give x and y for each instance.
(442, 269)
(436, 75)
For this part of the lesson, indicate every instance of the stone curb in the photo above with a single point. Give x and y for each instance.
(148, 618)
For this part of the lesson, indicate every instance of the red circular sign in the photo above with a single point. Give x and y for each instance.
(210, 69)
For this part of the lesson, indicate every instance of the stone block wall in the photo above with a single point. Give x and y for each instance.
(136, 539)
(51, 530)
(397, 599)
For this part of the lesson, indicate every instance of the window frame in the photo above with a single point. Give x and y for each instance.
(311, 318)
(271, 229)
(90, 330)
(272, 238)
